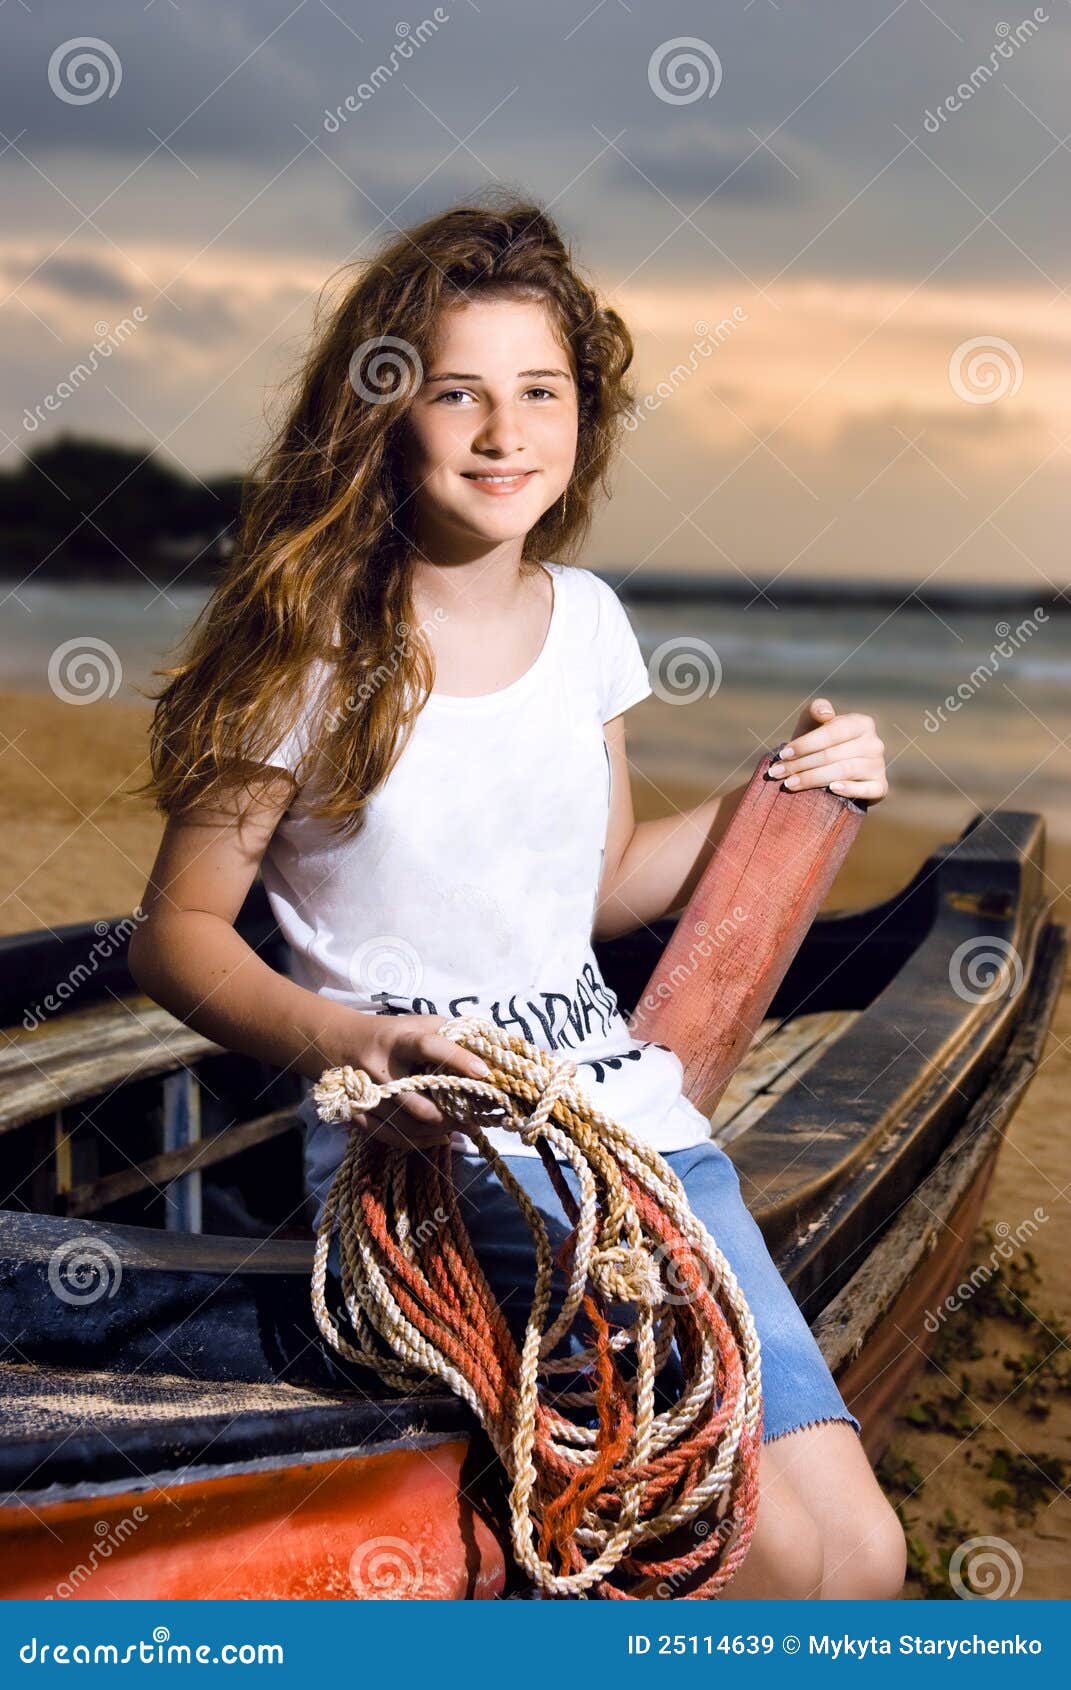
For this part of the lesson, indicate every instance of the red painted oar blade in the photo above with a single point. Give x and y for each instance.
(746, 920)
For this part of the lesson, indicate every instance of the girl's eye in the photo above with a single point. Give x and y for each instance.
(453, 392)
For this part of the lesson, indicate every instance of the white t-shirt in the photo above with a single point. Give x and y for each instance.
(471, 887)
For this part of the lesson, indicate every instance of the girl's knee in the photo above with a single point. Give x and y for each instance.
(872, 1562)
(786, 1558)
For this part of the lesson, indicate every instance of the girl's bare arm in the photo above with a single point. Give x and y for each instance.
(652, 868)
(188, 956)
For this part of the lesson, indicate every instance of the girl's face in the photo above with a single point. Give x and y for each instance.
(498, 399)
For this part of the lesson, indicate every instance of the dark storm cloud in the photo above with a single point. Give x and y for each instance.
(556, 99)
(689, 166)
(84, 277)
(210, 80)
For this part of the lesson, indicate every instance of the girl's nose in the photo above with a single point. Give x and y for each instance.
(500, 433)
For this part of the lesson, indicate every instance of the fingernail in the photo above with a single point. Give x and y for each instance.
(787, 751)
(481, 1070)
(777, 768)
(793, 780)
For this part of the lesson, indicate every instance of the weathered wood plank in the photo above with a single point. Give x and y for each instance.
(89, 1054)
(777, 1059)
(100, 1029)
(849, 1319)
(182, 1126)
(169, 1165)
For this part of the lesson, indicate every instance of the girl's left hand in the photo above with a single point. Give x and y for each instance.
(844, 753)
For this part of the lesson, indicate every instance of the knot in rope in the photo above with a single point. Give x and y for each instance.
(592, 1493)
(343, 1092)
(627, 1276)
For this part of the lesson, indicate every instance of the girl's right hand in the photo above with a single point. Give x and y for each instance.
(392, 1046)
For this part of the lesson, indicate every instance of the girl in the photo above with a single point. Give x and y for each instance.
(413, 726)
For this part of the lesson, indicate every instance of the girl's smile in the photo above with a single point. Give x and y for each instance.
(499, 485)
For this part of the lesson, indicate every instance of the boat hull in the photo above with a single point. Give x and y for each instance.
(391, 1524)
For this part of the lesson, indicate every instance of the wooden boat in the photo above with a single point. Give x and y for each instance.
(171, 1424)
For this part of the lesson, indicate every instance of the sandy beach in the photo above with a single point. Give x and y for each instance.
(984, 1446)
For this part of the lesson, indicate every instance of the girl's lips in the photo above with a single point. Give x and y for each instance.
(502, 489)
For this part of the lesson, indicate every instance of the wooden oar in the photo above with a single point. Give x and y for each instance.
(745, 921)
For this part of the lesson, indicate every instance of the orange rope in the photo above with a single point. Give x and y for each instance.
(592, 1498)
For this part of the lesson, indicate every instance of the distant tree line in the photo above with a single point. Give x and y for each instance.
(81, 508)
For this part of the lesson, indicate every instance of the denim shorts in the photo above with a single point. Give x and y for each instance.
(797, 1387)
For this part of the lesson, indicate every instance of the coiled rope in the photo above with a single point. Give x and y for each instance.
(587, 1501)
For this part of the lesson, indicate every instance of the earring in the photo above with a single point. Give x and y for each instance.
(565, 500)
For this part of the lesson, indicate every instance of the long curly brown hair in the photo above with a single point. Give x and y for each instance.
(322, 546)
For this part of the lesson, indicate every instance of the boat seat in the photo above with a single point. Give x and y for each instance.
(62, 1424)
(87, 1052)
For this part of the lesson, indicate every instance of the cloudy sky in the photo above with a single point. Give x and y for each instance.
(890, 396)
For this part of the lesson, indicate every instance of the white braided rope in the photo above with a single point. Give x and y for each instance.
(612, 1252)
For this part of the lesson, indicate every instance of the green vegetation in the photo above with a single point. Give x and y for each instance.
(966, 1381)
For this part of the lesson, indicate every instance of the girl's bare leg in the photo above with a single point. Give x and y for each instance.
(827, 1471)
(823, 1528)
(785, 1559)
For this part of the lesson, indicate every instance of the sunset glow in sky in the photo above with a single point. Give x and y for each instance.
(891, 394)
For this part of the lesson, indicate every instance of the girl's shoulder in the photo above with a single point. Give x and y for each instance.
(607, 639)
(588, 596)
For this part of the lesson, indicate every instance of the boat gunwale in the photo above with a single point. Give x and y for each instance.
(938, 1194)
(925, 1043)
